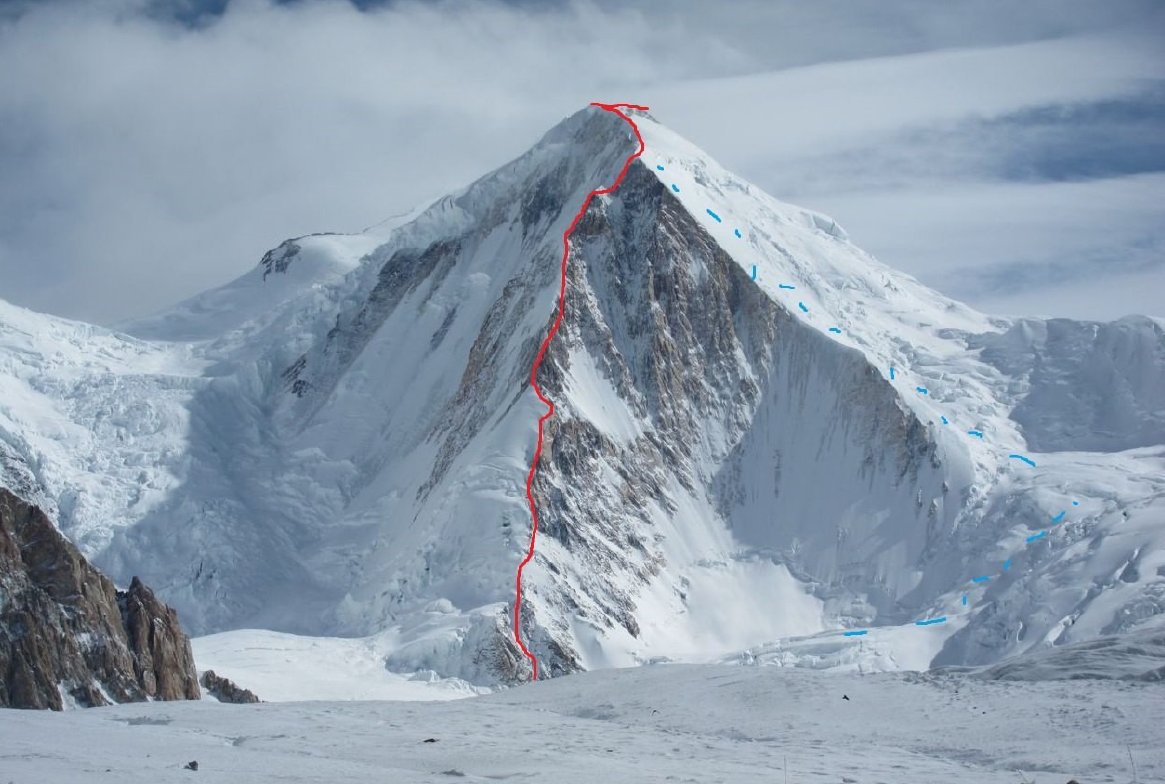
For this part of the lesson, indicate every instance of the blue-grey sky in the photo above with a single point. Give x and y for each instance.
(1009, 154)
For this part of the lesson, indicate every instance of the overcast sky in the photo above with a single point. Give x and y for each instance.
(1010, 154)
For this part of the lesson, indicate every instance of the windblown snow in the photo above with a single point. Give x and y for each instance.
(336, 443)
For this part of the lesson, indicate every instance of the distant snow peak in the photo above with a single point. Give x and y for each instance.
(277, 259)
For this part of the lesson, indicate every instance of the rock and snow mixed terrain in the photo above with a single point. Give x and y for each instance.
(68, 638)
(336, 443)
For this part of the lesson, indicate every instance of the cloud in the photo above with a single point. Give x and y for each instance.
(991, 244)
(1062, 142)
(151, 150)
(990, 173)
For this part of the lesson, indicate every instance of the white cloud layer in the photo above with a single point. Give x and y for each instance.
(142, 161)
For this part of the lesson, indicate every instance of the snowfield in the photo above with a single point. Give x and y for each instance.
(662, 723)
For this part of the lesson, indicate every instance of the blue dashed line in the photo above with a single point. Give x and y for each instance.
(1056, 519)
(931, 621)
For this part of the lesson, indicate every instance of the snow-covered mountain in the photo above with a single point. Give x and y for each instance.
(760, 434)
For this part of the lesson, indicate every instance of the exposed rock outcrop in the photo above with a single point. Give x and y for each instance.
(163, 662)
(226, 690)
(68, 636)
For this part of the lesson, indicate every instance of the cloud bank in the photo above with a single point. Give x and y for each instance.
(1007, 155)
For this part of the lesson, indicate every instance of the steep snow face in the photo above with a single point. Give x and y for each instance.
(760, 433)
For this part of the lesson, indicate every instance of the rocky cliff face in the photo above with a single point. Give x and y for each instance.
(68, 637)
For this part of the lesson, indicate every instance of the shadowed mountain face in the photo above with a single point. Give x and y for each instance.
(67, 637)
(337, 443)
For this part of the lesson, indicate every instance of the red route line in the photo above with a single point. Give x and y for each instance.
(613, 108)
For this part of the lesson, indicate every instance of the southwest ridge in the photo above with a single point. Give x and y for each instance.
(613, 108)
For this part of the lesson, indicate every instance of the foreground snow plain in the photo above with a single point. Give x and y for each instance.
(662, 723)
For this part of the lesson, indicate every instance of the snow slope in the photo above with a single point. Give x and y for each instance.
(669, 723)
(284, 667)
(336, 443)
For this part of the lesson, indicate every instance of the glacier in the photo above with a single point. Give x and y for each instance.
(336, 443)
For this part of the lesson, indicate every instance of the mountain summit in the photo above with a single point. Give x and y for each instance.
(760, 433)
